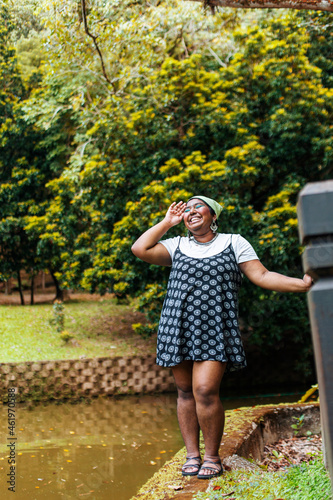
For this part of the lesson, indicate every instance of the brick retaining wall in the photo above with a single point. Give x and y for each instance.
(85, 377)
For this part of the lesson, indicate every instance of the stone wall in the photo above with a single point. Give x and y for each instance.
(85, 377)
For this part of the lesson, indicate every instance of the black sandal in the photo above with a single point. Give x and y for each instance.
(215, 474)
(196, 466)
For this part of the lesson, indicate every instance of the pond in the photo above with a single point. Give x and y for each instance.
(103, 449)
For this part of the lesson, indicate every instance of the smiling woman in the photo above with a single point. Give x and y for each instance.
(199, 212)
(198, 335)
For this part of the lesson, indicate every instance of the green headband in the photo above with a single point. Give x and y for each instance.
(211, 203)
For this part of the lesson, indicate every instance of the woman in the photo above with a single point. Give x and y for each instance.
(198, 334)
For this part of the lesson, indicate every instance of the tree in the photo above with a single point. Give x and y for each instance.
(237, 108)
(23, 170)
(10, 88)
(319, 26)
(271, 102)
(86, 123)
(324, 5)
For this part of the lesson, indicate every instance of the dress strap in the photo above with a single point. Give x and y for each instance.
(178, 242)
(232, 246)
(177, 251)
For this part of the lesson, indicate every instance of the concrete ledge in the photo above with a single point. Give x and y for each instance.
(247, 431)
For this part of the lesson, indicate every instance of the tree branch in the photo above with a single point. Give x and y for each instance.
(326, 5)
(94, 39)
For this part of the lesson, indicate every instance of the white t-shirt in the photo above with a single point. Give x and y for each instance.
(242, 248)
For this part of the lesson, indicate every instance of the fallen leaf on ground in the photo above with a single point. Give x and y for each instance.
(287, 452)
(176, 487)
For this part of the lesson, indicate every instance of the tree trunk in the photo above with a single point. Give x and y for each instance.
(59, 292)
(32, 289)
(8, 286)
(326, 5)
(20, 287)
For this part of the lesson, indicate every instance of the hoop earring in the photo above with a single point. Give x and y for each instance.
(213, 226)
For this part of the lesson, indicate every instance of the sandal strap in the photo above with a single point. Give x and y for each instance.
(219, 464)
(197, 459)
(192, 458)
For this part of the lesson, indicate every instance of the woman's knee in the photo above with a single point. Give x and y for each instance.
(206, 395)
(185, 393)
(183, 378)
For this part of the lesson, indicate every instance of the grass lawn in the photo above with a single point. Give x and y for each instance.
(308, 481)
(100, 328)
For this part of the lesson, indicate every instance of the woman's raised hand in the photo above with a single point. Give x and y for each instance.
(175, 213)
(148, 246)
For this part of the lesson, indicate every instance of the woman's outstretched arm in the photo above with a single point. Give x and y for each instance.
(259, 275)
(147, 247)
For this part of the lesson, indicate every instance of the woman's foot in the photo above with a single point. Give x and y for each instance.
(191, 466)
(210, 469)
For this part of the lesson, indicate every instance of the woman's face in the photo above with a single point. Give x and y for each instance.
(197, 216)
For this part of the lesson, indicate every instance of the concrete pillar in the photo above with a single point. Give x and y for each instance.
(315, 214)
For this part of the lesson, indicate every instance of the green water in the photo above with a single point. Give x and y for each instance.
(104, 450)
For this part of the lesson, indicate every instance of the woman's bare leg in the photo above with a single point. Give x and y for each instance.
(207, 377)
(186, 410)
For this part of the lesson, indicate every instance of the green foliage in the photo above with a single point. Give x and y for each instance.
(66, 336)
(297, 426)
(26, 21)
(58, 319)
(310, 481)
(238, 107)
(30, 57)
(150, 302)
(145, 331)
(23, 170)
(319, 26)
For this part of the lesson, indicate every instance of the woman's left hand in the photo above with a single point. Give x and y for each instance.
(307, 281)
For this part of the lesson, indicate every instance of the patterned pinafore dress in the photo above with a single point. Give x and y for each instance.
(199, 318)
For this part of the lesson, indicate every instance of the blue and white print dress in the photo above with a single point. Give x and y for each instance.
(199, 318)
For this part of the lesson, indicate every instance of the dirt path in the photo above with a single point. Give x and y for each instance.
(49, 297)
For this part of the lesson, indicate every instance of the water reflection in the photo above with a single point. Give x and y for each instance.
(103, 450)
